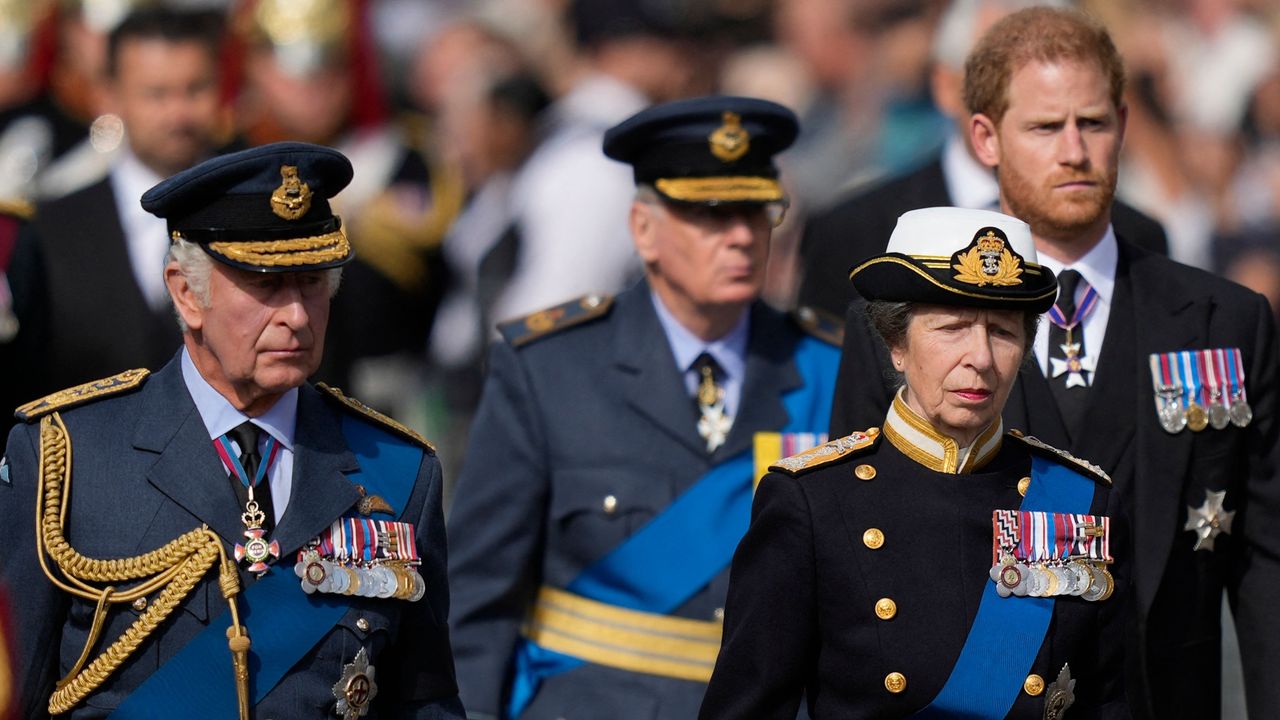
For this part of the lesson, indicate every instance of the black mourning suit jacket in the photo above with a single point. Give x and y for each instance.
(1173, 664)
(88, 318)
(859, 227)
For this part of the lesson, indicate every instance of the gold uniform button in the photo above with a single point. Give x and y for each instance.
(1034, 685)
(895, 682)
(1023, 484)
(610, 504)
(362, 625)
(873, 538)
(886, 608)
(864, 472)
(140, 604)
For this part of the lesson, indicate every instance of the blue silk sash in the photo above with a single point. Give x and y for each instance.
(1007, 633)
(679, 552)
(284, 623)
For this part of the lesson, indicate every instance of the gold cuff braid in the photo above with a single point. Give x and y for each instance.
(173, 569)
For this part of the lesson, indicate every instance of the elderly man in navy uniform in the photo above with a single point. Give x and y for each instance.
(610, 471)
(236, 541)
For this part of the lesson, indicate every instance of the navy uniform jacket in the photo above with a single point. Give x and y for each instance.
(1174, 658)
(143, 472)
(590, 412)
(802, 613)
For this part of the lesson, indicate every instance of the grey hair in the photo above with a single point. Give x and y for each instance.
(956, 34)
(196, 265)
(890, 320)
(648, 194)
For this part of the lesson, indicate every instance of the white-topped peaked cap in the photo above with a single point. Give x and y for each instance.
(958, 256)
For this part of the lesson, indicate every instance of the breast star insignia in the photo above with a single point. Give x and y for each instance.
(1209, 520)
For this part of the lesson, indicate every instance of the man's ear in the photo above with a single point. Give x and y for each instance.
(184, 297)
(643, 230)
(984, 139)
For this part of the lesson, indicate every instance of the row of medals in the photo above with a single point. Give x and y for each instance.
(1087, 580)
(1173, 418)
(397, 580)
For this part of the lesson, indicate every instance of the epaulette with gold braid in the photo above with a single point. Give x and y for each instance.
(551, 320)
(827, 453)
(81, 394)
(360, 408)
(1044, 449)
(820, 324)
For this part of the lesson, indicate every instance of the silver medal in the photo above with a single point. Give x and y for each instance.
(1241, 413)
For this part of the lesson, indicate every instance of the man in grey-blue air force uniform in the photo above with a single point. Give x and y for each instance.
(611, 463)
(221, 539)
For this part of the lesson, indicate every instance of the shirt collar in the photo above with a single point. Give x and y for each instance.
(131, 179)
(1097, 267)
(729, 351)
(970, 184)
(219, 416)
(914, 437)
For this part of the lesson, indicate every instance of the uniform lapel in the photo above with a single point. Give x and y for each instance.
(321, 490)
(770, 372)
(1106, 430)
(187, 469)
(647, 375)
(1167, 318)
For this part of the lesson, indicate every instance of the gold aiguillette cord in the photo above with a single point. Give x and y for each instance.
(173, 570)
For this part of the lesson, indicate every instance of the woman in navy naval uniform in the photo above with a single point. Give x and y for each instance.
(939, 566)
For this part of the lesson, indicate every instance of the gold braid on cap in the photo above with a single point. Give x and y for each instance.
(173, 570)
(328, 247)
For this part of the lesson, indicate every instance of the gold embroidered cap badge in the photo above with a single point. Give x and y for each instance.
(730, 141)
(988, 260)
(292, 199)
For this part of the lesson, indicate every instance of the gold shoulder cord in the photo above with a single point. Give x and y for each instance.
(174, 569)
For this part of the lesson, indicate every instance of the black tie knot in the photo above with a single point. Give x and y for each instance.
(1068, 281)
(246, 436)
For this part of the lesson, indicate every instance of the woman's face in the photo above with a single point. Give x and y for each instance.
(959, 365)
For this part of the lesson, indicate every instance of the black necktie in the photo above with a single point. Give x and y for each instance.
(1066, 354)
(246, 436)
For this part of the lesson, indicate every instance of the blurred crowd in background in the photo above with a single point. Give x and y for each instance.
(474, 126)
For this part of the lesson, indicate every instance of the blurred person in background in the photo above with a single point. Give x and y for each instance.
(311, 74)
(858, 226)
(569, 202)
(79, 89)
(93, 260)
(33, 130)
(1193, 66)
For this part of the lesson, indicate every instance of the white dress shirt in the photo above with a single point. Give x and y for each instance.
(146, 236)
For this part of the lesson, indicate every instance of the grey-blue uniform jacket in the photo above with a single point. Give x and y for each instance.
(144, 472)
(583, 435)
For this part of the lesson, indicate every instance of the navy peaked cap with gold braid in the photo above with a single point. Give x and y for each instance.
(958, 256)
(707, 150)
(265, 209)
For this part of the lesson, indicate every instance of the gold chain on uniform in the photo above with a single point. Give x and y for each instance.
(173, 569)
